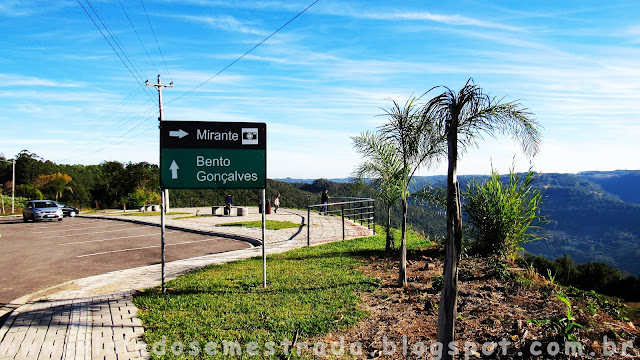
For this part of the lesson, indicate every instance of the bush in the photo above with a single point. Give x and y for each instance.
(502, 216)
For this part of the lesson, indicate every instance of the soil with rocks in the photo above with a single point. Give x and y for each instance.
(504, 312)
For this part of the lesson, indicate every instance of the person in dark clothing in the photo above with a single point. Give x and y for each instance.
(228, 200)
(325, 201)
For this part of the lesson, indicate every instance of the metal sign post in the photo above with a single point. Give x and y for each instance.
(264, 251)
(162, 255)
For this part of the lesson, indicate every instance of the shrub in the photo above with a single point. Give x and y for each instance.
(502, 216)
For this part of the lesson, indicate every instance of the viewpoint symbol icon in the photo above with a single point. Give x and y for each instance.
(249, 136)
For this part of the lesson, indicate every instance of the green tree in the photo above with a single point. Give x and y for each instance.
(29, 166)
(416, 141)
(141, 197)
(29, 191)
(382, 168)
(463, 116)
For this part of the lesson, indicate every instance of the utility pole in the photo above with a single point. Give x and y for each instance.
(159, 86)
(165, 192)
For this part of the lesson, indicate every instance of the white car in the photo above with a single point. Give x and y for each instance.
(41, 210)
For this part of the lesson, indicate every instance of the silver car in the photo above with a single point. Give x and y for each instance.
(41, 210)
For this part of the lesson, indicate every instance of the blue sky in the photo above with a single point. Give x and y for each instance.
(67, 96)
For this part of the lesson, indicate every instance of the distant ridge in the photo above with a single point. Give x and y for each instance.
(310, 181)
(624, 183)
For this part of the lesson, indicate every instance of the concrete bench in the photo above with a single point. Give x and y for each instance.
(235, 210)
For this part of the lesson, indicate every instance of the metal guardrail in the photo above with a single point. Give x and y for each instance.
(360, 210)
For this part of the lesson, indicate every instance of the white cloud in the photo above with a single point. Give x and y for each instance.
(225, 22)
(17, 8)
(455, 19)
(9, 80)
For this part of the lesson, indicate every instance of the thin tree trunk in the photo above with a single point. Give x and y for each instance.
(449, 296)
(402, 278)
(389, 245)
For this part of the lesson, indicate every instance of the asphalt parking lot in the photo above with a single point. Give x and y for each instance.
(35, 256)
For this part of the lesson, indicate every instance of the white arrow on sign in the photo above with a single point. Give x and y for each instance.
(174, 170)
(179, 134)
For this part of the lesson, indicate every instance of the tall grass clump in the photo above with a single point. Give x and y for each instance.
(502, 215)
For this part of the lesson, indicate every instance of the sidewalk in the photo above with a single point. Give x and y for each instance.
(94, 317)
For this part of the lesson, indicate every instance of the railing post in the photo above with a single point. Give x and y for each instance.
(368, 215)
(342, 210)
(308, 225)
(374, 217)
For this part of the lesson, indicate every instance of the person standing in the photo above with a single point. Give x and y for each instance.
(325, 201)
(228, 200)
(276, 204)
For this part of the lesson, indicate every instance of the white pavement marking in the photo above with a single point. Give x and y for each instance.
(146, 247)
(80, 228)
(113, 239)
(91, 233)
(60, 225)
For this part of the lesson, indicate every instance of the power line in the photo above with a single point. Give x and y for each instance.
(157, 43)
(137, 35)
(245, 54)
(121, 138)
(116, 41)
(118, 141)
(135, 92)
(122, 123)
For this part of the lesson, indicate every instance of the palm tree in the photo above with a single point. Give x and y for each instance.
(416, 140)
(383, 168)
(60, 183)
(464, 116)
(57, 182)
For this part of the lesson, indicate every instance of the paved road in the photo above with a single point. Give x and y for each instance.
(35, 256)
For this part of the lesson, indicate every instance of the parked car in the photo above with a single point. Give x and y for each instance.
(68, 210)
(41, 210)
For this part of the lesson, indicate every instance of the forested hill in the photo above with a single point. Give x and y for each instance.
(590, 223)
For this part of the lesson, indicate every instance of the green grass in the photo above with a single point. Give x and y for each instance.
(311, 291)
(269, 224)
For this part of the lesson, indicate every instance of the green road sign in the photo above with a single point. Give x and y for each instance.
(213, 155)
(213, 169)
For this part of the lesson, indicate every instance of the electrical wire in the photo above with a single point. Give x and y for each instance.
(120, 138)
(117, 42)
(138, 36)
(126, 120)
(157, 43)
(243, 55)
